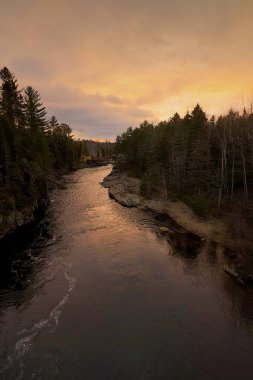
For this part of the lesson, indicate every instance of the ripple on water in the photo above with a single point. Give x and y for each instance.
(142, 308)
(24, 344)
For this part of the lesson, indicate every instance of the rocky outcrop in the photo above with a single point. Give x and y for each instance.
(179, 225)
(16, 219)
(19, 218)
(122, 189)
(124, 198)
(125, 190)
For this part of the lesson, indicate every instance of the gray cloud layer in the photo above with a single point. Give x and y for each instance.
(106, 64)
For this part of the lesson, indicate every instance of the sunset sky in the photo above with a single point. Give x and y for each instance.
(103, 65)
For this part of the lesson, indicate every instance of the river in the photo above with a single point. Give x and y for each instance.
(96, 293)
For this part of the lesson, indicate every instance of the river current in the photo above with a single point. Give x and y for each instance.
(96, 293)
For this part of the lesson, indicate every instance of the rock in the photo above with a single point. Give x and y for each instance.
(231, 272)
(125, 199)
(234, 274)
(132, 200)
(111, 180)
(118, 188)
(164, 229)
(122, 189)
(20, 218)
(116, 191)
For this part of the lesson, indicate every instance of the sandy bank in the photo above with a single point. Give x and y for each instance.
(125, 190)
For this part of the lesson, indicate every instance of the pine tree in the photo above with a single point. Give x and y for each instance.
(11, 103)
(35, 113)
(50, 126)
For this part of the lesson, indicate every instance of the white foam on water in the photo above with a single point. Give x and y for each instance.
(23, 345)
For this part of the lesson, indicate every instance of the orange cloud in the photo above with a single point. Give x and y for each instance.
(106, 64)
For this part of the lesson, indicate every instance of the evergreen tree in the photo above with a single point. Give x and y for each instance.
(11, 103)
(30, 147)
(35, 113)
(51, 126)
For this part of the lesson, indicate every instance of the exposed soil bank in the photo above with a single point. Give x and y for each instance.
(180, 225)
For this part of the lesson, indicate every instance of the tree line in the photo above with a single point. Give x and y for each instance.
(99, 149)
(208, 162)
(31, 146)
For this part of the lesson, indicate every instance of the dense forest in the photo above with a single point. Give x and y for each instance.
(32, 148)
(33, 151)
(207, 163)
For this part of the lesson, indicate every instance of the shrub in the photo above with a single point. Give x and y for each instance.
(200, 204)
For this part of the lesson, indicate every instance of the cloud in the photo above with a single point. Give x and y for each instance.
(98, 122)
(93, 115)
(105, 64)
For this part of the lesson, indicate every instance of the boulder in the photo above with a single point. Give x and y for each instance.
(125, 199)
(164, 229)
(131, 200)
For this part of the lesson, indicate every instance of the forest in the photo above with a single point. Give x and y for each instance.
(208, 163)
(32, 148)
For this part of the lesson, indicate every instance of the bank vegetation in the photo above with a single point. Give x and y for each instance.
(206, 163)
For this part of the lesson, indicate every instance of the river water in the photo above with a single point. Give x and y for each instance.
(96, 293)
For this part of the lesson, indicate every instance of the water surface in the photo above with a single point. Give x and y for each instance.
(98, 294)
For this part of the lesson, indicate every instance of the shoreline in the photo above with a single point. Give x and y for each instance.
(180, 226)
(125, 190)
(17, 221)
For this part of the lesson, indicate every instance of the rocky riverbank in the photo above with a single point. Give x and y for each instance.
(12, 220)
(181, 226)
(125, 190)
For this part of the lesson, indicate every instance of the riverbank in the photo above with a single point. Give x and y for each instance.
(125, 190)
(181, 226)
(13, 220)
(143, 310)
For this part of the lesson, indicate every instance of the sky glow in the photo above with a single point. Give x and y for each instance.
(104, 65)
